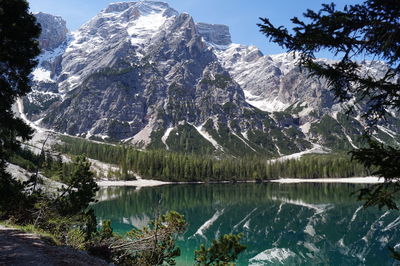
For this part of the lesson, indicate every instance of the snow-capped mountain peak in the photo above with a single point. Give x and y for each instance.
(145, 7)
(143, 73)
(125, 23)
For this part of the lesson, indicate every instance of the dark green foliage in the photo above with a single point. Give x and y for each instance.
(185, 138)
(76, 238)
(18, 48)
(317, 166)
(283, 116)
(81, 188)
(62, 214)
(262, 139)
(295, 108)
(386, 161)
(353, 128)
(170, 166)
(180, 104)
(284, 144)
(109, 153)
(231, 138)
(331, 132)
(156, 141)
(223, 251)
(361, 31)
(58, 214)
(231, 143)
(297, 136)
(164, 229)
(48, 164)
(249, 112)
(25, 159)
(370, 29)
(106, 230)
(229, 107)
(61, 225)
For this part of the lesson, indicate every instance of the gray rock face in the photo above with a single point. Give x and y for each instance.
(143, 73)
(54, 31)
(214, 33)
(123, 88)
(272, 82)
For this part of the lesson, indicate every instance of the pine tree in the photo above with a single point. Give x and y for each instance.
(81, 188)
(18, 48)
(223, 251)
(361, 31)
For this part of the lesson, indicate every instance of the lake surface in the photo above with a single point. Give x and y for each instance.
(283, 224)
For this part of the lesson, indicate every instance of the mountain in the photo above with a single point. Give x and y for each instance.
(145, 74)
(54, 31)
(276, 83)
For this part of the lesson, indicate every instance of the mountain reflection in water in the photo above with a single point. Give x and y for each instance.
(291, 224)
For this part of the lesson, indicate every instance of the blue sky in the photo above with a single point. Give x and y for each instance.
(241, 16)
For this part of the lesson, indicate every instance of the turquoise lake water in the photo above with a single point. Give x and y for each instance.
(283, 224)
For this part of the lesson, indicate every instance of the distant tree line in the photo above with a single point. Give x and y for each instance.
(47, 163)
(171, 166)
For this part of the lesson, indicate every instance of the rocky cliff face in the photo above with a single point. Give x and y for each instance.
(54, 31)
(143, 73)
(214, 33)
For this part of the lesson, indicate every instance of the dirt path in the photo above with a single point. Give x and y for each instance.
(20, 248)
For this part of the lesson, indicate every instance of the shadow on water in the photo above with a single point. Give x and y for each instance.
(291, 224)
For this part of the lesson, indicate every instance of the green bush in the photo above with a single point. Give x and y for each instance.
(222, 251)
(76, 238)
(106, 230)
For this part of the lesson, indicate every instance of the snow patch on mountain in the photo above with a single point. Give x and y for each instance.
(256, 73)
(51, 55)
(42, 75)
(350, 141)
(306, 111)
(166, 135)
(133, 22)
(315, 149)
(243, 140)
(145, 27)
(208, 137)
(264, 104)
(388, 131)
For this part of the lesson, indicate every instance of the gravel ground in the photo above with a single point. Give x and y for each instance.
(20, 248)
